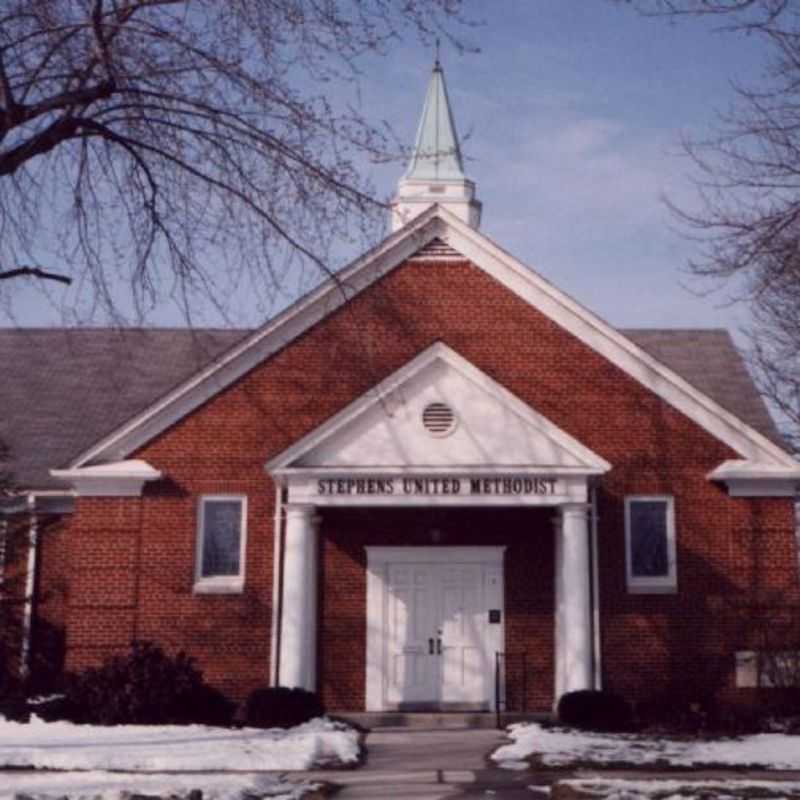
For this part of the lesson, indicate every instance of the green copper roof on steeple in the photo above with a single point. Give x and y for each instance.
(437, 155)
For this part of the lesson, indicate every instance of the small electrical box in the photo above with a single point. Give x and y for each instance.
(494, 616)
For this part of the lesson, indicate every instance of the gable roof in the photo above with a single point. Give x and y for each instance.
(437, 222)
(721, 399)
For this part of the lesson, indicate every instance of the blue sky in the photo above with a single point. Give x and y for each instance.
(574, 111)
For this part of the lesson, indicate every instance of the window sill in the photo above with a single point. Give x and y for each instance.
(219, 586)
(652, 588)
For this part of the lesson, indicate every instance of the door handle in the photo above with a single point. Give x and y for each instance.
(438, 647)
(430, 646)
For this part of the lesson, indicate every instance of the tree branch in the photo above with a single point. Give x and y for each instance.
(34, 272)
(16, 114)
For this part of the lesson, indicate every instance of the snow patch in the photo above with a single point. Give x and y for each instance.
(153, 748)
(624, 789)
(105, 786)
(558, 747)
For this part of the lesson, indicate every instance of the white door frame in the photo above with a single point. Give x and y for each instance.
(378, 559)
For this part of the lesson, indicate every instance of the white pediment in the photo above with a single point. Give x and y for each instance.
(492, 430)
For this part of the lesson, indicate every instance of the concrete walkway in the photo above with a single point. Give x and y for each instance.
(416, 764)
(451, 764)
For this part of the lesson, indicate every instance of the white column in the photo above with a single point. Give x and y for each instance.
(298, 656)
(573, 601)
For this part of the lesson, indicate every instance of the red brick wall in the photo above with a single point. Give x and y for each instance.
(223, 446)
(132, 578)
(736, 562)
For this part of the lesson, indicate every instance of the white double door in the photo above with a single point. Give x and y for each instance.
(443, 624)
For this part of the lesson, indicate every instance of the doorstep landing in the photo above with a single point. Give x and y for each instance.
(435, 720)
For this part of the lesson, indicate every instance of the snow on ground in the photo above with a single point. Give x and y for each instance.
(623, 789)
(558, 747)
(114, 786)
(152, 748)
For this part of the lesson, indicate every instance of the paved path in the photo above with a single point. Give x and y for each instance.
(449, 763)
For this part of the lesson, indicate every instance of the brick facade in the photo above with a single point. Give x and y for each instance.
(131, 560)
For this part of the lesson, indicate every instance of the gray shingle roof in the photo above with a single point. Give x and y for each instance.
(62, 390)
(709, 360)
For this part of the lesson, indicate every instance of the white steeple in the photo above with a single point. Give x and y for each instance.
(436, 172)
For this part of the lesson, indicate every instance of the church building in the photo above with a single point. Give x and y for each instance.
(435, 482)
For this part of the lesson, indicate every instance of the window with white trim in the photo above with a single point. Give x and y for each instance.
(221, 539)
(650, 544)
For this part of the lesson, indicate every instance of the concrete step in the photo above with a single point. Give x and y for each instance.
(427, 720)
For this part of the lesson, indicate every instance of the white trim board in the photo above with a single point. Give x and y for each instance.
(379, 555)
(117, 479)
(751, 479)
(484, 254)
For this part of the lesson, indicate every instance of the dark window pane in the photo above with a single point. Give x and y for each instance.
(649, 539)
(221, 537)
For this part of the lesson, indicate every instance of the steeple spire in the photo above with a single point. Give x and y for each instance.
(436, 153)
(436, 171)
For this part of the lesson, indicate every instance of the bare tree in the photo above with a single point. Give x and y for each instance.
(761, 10)
(177, 146)
(748, 177)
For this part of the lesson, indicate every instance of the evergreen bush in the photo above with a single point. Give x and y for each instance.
(144, 687)
(13, 701)
(281, 707)
(595, 711)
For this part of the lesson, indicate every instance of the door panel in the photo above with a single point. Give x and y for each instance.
(465, 664)
(413, 670)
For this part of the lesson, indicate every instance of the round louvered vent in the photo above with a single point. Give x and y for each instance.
(438, 419)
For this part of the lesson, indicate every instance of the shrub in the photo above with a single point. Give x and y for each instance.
(14, 702)
(677, 711)
(595, 710)
(281, 707)
(145, 687)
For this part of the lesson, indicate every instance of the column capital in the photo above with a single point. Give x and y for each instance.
(302, 511)
(575, 510)
(299, 508)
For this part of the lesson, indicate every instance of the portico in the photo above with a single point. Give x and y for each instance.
(434, 614)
